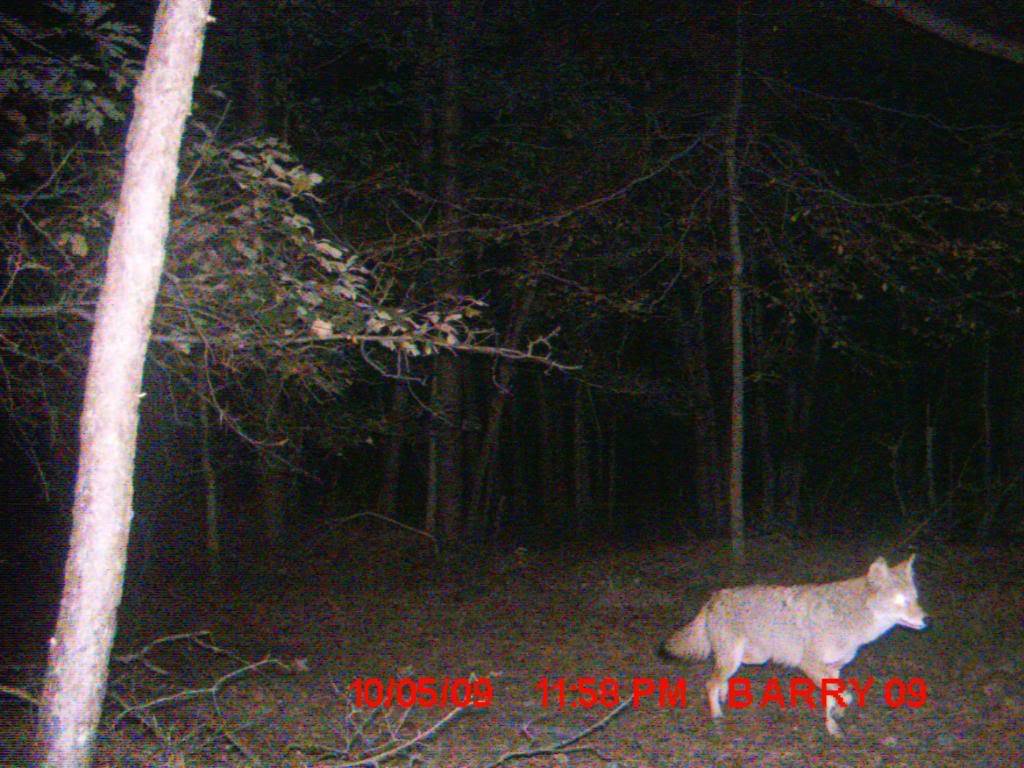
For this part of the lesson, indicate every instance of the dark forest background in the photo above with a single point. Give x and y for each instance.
(468, 266)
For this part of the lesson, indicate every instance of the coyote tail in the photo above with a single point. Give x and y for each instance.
(691, 641)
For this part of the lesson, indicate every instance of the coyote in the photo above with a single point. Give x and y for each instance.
(816, 627)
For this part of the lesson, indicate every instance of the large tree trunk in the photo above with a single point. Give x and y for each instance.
(737, 527)
(94, 576)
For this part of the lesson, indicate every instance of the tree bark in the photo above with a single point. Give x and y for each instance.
(94, 575)
(737, 532)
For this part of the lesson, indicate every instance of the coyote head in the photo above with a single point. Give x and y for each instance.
(893, 594)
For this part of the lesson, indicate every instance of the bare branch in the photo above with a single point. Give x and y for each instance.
(562, 746)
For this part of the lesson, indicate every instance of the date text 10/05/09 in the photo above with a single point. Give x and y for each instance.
(425, 692)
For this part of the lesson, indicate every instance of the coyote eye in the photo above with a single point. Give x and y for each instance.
(899, 599)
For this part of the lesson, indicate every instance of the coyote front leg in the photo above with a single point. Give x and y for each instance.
(818, 671)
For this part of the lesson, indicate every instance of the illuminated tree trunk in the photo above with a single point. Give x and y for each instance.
(737, 533)
(94, 575)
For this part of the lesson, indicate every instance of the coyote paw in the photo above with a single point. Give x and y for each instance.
(833, 729)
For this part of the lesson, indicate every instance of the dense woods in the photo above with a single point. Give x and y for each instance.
(366, 189)
(519, 274)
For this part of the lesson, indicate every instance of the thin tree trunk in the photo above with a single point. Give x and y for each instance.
(254, 99)
(477, 512)
(737, 528)
(929, 457)
(789, 469)
(94, 575)
(549, 455)
(799, 408)
(272, 478)
(430, 517)
(707, 467)
(212, 507)
(767, 445)
(448, 448)
(581, 462)
(612, 469)
(988, 513)
(271, 472)
(448, 369)
(524, 507)
(391, 476)
(1018, 452)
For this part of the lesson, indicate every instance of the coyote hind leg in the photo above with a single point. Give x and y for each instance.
(728, 658)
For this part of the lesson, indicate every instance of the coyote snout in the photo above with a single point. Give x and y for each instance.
(816, 627)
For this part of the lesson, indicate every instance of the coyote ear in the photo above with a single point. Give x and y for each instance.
(908, 564)
(878, 573)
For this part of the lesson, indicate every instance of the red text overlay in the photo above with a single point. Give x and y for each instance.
(661, 692)
(422, 692)
(608, 692)
(804, 692)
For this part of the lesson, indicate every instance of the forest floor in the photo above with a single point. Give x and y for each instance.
(381, 611)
